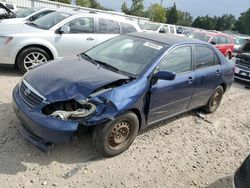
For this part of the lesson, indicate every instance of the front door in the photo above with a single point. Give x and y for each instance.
(170, 97)
(80, 38)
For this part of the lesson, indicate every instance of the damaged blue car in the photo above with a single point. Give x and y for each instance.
(120, 87)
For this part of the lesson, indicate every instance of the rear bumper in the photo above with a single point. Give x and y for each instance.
(40, 129)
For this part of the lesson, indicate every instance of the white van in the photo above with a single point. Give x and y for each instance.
(159, 28)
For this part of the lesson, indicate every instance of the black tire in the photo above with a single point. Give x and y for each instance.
(106, 137)
(215, 100)
(27, 52)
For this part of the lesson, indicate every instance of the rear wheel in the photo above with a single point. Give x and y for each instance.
(116, 136)
(30, 57)
(215, 100)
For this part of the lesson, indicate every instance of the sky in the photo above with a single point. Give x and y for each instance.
(195, 7)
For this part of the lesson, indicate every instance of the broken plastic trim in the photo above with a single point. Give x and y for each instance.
(71, 109)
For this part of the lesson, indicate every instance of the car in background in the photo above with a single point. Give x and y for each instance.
(119, 87)
(159, 28)
(242, 175)
(58, 34)
(242, 63)
(221, 41)
(26, 15)
(239, 42)
(10, 6)
(6, 13)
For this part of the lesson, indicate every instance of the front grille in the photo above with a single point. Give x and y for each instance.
(242, 76)
(243, 63)
(30, 95)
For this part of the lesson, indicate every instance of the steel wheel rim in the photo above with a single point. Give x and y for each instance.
(33, 59)
(215, 100)
(119, 135)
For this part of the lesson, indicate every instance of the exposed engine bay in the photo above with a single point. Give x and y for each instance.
(70, 110)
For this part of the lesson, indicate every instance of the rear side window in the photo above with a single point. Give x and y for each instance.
(205, 57)
(223, 40)
(108, 26)
(127, 28)
(81, 25)
(228, 40)
(179, 60)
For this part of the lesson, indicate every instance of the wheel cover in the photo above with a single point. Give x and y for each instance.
(33, 59)
(215, 100)
(119, 135)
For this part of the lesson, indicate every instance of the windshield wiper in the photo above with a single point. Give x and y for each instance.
(110, 67)
(32, 24)
(87, 57)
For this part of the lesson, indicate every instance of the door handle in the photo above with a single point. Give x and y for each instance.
(190, 80)
(90, 38)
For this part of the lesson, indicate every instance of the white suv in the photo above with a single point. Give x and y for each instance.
(56, 35)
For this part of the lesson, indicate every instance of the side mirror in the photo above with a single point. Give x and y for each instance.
(164, 75)
(213, 43)
(64, 29)
(31, 19)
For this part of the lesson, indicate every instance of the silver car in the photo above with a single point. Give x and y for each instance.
(56, 35)
(27, 15)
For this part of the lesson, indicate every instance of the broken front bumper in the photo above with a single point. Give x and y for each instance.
(40, 129)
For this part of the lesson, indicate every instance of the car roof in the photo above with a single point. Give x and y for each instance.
(167, 39)
(100, 15)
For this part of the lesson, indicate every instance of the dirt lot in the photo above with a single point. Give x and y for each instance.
(182, 152)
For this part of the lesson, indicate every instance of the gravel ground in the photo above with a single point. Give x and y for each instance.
(185, 151)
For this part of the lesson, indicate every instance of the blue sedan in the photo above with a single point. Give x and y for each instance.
(120, 87)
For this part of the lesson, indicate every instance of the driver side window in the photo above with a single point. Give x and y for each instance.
(81, 25)
(178, 61)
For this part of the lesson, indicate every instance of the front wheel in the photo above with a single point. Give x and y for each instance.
(30, 57)
(117, 135)
(215, 100)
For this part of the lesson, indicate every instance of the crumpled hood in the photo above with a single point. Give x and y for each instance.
(69, 78)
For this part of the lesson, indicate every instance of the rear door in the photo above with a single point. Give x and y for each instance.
(80, 38)
(207, 75)
(169, 97)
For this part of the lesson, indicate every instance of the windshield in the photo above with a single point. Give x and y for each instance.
(151, 26)
(240, 41)
(126, 53)
(25, 12)
(200, 36)
(50, 20)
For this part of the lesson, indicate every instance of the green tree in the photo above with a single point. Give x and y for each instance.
(157, 13)
(243, 23)
(125, 8)
(225, 22)
(137, 8)
(205, 22)
(184, 18)
(84, 3)
(62, 1)
(172, 15)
